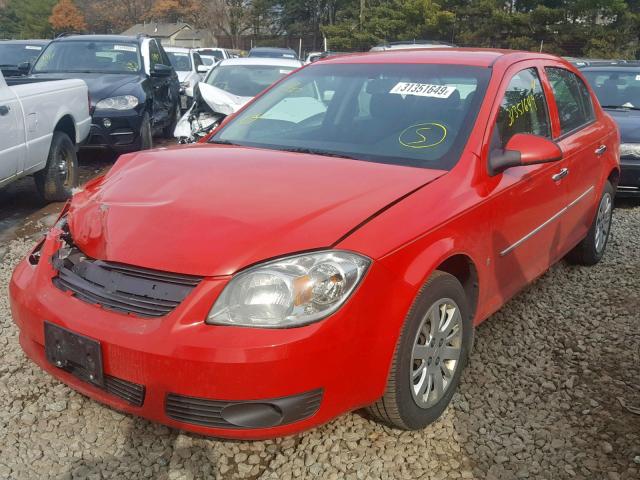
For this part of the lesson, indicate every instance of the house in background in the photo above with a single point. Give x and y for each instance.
(177, 34)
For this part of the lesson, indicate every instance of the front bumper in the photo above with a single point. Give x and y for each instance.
(190, 372)
(629, 185)
(122, 135)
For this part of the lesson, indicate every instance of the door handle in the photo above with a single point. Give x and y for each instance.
(601, 149)
(4, 110)
(560, 175)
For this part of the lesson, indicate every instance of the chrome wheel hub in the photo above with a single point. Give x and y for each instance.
(603, 221)
(436, 352)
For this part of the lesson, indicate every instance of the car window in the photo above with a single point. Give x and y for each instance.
(180, 61)
(572, 98)
(615, 88)
(523, 109)
(154, 54)
(197, 61)
(15, 54)
(416, 115)
(246, 80)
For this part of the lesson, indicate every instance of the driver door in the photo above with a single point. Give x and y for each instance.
(525, 201)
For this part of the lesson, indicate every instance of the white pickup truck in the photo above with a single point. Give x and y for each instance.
(41, 125)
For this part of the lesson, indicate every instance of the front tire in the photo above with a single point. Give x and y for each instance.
(591, 249)
(59, 177)
(430, 355)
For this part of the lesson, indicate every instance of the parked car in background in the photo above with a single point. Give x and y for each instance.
(16, 53)
(315, 56)
(618, 90)
(190, 69)
(218, 53)
(312, 57)
(305, 263)
(225, 89)
(410, 44)
(134, 90)
(42, 124)
(272, 52)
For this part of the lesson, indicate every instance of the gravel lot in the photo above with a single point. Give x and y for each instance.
(552, 391)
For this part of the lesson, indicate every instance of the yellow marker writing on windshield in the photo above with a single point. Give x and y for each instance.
(423, 135)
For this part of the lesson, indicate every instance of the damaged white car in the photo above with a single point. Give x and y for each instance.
(227, 87)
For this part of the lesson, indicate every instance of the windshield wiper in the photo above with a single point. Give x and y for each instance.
(313, 151)
(620, 107)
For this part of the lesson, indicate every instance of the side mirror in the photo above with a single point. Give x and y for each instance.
(203, 69)
(524, 149)
(24, 67)
(160, 70)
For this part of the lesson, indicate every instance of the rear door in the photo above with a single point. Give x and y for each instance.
(585, 143)
(525, 201)
(12, 138)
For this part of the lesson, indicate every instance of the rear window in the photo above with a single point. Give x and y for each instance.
(414, 115)
(89, 57)
(572, 98)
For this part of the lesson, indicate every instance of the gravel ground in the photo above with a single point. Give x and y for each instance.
(552, 392)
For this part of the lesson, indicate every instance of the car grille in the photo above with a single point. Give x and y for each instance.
(130, 392)
(222, 414)
(122, 288)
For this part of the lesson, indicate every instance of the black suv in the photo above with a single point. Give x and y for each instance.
(134, 91)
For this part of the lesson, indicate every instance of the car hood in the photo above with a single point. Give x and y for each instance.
(101, 85)
(212, 210)
(629, 124)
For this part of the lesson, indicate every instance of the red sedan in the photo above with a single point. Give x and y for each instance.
(331, 247)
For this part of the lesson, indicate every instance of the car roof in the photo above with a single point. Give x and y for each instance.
(612, 68)
(99, 38)
(272, 49)
(27, 42)
(279, 62)
(481, 57)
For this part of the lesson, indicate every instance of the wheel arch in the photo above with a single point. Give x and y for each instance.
(67, 125)
(614, 177)
(464, 269)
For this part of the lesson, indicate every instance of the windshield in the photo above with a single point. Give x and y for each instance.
(246, 80)
(89, 57)
(180, 61)
(208, 60)
(12, 55)
(414, 115)
(213, 53)
(615, 88)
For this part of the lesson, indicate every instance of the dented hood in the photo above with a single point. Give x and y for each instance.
(211, 210)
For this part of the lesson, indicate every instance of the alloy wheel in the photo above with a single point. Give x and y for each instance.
(603, 221)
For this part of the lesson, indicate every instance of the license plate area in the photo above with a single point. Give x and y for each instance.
(79, 355)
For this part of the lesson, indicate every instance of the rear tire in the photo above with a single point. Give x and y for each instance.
(146, 133)
(429, 357)
(55, 183)
(592, 247)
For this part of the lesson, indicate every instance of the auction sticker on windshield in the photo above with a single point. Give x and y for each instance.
(124, 48)
(422, 89)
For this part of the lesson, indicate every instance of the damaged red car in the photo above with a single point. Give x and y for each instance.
(331, 247)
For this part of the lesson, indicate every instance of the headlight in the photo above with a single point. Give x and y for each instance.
(289, 292)
(124, 102)
(630, 150)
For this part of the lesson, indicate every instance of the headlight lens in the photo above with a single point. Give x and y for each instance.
(630, 150)
(290, 292)
(123, 102)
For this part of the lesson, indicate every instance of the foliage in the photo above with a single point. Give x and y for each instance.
(65, 16)
(602, 28)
